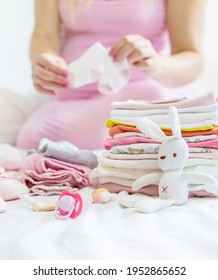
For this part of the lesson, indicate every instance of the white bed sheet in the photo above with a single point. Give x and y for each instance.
(110, 231)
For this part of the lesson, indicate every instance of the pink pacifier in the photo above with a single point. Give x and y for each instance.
(69, 205)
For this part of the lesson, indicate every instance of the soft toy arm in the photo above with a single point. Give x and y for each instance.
(146, 180)
(198, 178)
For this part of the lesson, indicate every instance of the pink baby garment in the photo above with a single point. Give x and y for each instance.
(151, 190)
(39, 170)
(112, 142)
(51, 190)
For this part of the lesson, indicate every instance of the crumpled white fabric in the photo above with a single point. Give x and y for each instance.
(95, 65)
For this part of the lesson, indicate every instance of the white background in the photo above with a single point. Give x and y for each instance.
(16, 23)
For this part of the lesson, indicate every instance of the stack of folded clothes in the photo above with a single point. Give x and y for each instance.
(57, 166)
(130, 154)
(53, 168)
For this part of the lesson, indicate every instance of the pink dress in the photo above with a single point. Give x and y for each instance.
(79, 115)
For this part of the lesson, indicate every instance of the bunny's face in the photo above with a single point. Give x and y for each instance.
(173, 154)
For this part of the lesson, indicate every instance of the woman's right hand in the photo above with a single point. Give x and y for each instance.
(49, 73)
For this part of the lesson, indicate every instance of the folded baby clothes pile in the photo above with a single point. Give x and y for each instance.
(57, 166)
(130, 154)
(53, 168)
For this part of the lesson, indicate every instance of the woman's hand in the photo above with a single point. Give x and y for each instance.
(139, 53)
(49, 73)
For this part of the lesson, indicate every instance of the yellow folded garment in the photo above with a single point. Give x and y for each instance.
(111, 123)
(202, 128)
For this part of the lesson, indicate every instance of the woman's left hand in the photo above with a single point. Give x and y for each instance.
(139, 52)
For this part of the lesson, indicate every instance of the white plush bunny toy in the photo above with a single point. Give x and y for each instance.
(172, 157)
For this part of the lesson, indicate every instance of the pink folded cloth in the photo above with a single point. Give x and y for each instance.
(39, 170)
(51, 190)
(151, 190)
(111, 142)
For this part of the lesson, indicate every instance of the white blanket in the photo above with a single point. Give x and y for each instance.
(108, 231)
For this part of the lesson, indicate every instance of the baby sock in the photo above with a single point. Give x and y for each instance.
(153, 205)
(145, 204)
(114, 77)
(89, 67)
(129, 201)
(96, 65)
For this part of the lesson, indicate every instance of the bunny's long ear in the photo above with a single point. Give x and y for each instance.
(174, 122)
(150, 129)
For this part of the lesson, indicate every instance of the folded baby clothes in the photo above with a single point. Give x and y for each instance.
(191, 139)
(148, 163)
(67, 152)
(178, 102)
(133, 149)
(39, 170)
(162, 119)
(202, 125)
(154, 112)
(117, 129)
(96, 65)
(130, 153)
(152, 190)
(51, 190)
(109, 143)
